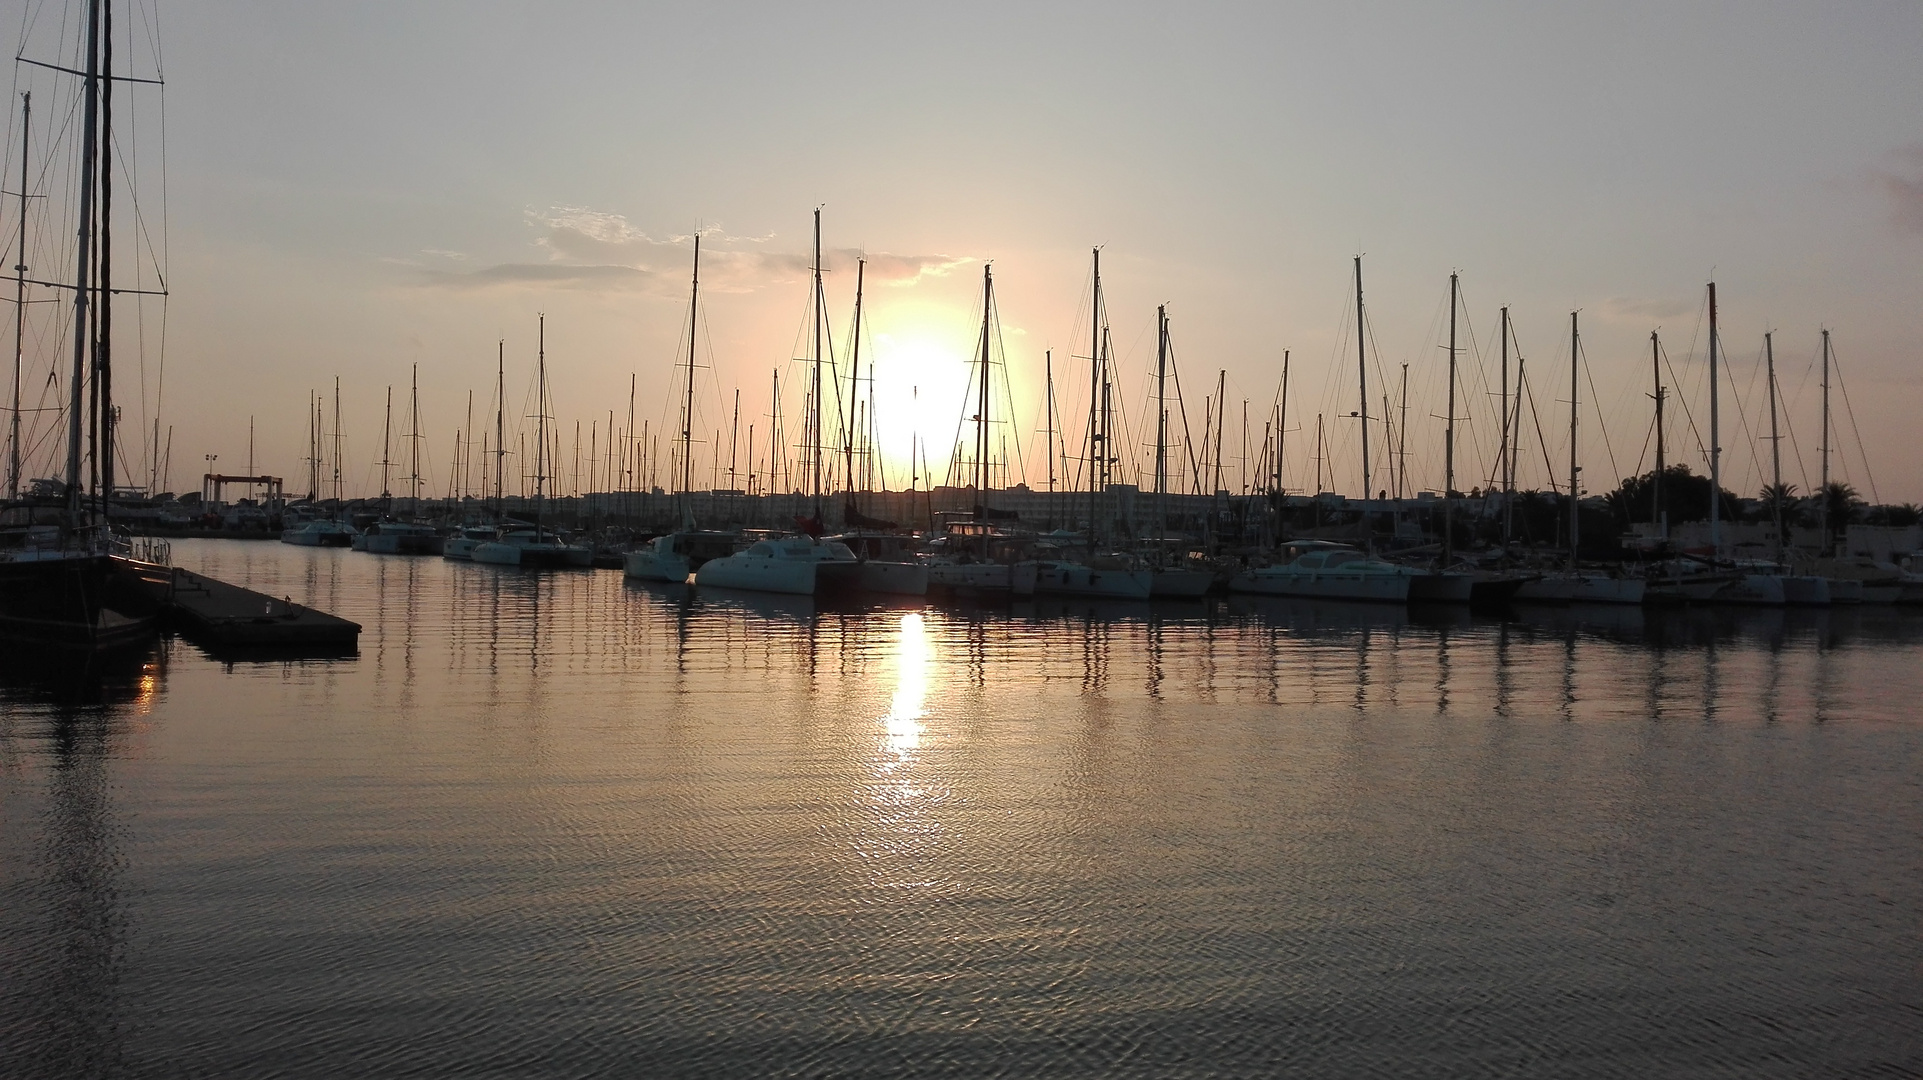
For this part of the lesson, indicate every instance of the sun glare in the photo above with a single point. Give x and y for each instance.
(920, 384)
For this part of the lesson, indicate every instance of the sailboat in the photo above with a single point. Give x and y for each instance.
(66, 578)
(390, 536)
(1112, 575)
(1442, 584)
(1574, 584)
(888, 558)
(673, 556)
(530, 544)
(805, 564)
(460, 546)
(1172, 579)
(973, 557)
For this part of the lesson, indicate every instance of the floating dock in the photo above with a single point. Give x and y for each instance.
(229, 615)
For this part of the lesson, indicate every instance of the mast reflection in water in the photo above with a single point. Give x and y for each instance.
(553, 823)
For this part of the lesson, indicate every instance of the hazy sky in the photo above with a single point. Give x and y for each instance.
(356, 187)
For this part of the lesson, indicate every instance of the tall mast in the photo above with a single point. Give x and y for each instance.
(1656, 512)
(1362, 373)
(313, 445)
(1715, 437)
(1095, 448)
(103, 343)
(1823, 504)
(414, 438)
(1161, 420)
(387, 430)
(854, 380)
(1775, 447)
(337, 438)
(500, 405)
(1399, 464)
(19, 304)
(981, 411)
(814, 413)
(734, 438)
(83, 272)
(1449, 436)
(686, 479)
(1575, 488)
(1221, 421)
(540, 419)
(1048, 404)
(1281, 429)
(1503, 460)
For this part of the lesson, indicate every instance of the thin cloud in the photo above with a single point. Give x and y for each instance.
(1643, 309)
(1904, 189)
(589, 248)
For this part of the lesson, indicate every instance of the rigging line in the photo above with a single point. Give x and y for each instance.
(1008, 393)
(1850, 411)
(1742, 412)
(1596, 403)
(1682, 399)
(1544, 440)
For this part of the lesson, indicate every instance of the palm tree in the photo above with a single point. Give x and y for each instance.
(1775, 497)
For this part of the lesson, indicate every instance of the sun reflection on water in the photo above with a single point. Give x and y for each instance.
(912, 653)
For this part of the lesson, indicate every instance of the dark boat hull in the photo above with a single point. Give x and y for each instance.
(85, 601)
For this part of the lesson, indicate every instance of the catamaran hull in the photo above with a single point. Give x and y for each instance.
(982, 579)
(1063, 579)
(460, 548)
(1583, 589)
(1181, 584)
(1806, 591)
(789, 577)
(893, 578)
(404, 544)
(1758, 590)
(1441, 588)
(532, 556)
(305, 538)
(1386, 588)
(650, 565)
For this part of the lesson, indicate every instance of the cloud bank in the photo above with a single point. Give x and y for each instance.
(597, 250)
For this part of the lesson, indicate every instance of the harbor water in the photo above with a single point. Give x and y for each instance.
(557, 824)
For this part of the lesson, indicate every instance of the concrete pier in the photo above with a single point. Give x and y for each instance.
(226, 614)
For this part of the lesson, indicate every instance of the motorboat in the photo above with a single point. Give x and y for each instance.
(320, 532)
(796, 565)
(529, 546)
(1328, 570)
(968, 577)
(400, 538)
(461, 545)
(673, 556)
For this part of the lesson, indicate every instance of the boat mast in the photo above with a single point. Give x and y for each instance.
(686, 479)
(1575, 488)
(1823, 504)
(103, 448)
(981, 412)
(19, 304)
(1221, 421)
(83, 272)
(540, 419)
(814, 413)
(1775, 448)
(500, 405)
(1502, 455)
(1362, 373)
(1656, 512)
(854, 381)
(1449, 435)
(1161, 420)
(1281, 429)
(414, 439)
(337, 438)
(387, 430)
(1715, 447)
(1095, 449)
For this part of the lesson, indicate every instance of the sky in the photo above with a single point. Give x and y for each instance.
(354, 189)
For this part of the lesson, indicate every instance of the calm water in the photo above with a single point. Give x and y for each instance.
(558, 825)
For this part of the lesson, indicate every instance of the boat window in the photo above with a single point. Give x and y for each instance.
(1312, 561)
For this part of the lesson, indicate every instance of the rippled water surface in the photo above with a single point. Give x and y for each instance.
(553, 824)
